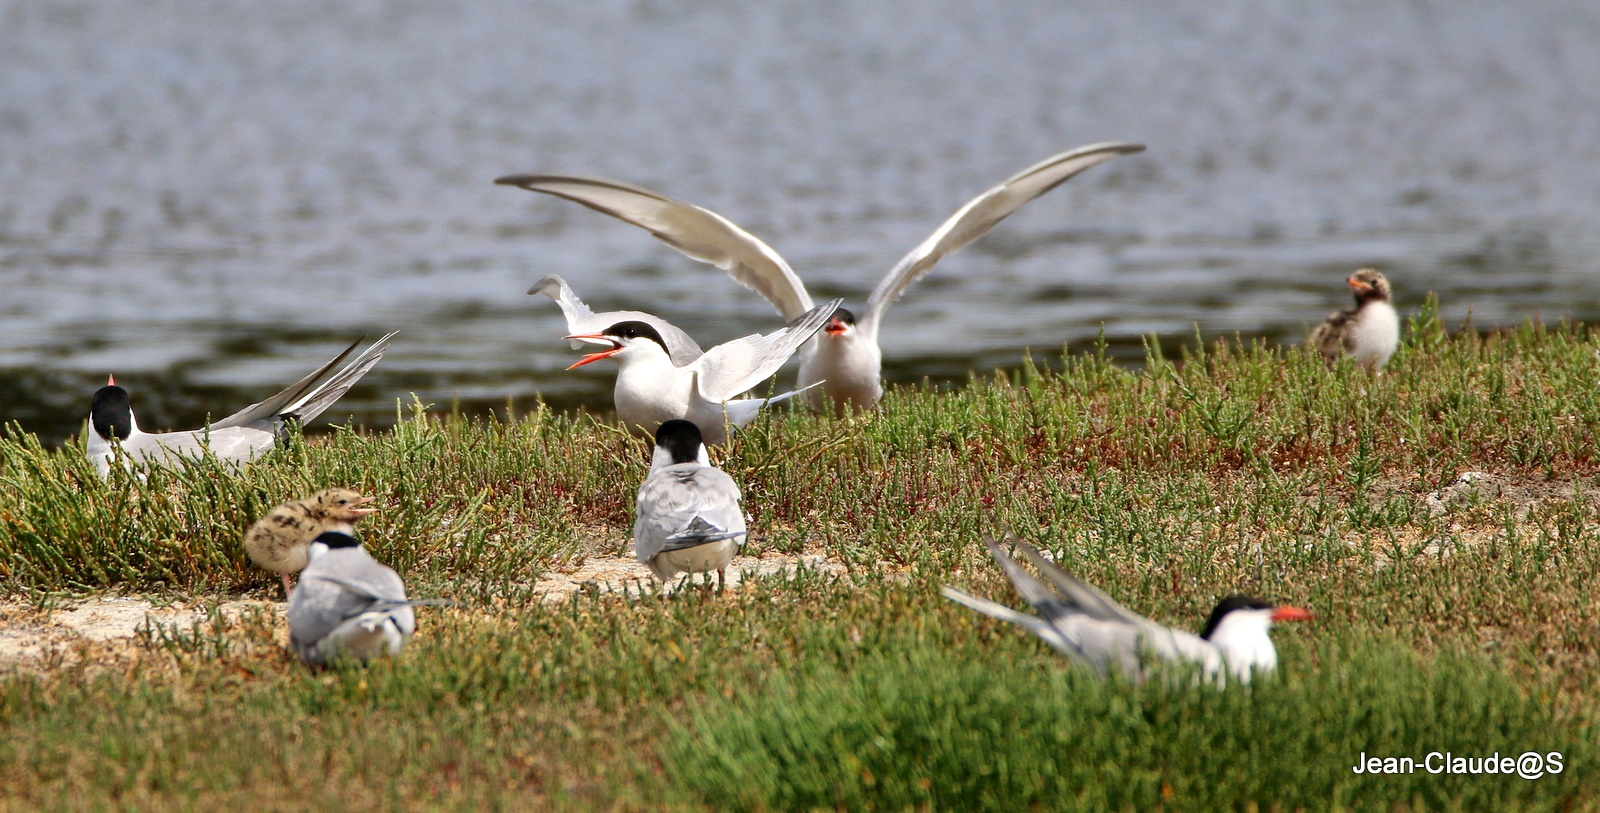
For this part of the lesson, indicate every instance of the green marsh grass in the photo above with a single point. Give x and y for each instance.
(1235, 468)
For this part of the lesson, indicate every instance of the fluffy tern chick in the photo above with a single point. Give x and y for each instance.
(279, 541)
(1369, 333)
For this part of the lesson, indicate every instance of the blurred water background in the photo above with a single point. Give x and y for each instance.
(210, 199)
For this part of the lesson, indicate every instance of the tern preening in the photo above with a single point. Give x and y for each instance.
(846, 359)
(280, 540)
(348, 605)
(1087, 625)
(238, 438)
(651, 390)
(1369, 333)
(688, 518)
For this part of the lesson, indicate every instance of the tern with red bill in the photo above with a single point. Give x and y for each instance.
(651, 390)
(845, 359)
(1369, 333)
(687, 517)
(1085, 624)
(238, 438)
(680, 347)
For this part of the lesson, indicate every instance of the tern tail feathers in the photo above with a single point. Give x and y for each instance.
(1087, 598)
(310, 396)
(980, 215)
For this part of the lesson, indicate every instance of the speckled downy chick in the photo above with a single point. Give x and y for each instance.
(1369, 333)
(279, 540)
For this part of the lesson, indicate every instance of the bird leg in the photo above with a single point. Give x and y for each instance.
(286, 585)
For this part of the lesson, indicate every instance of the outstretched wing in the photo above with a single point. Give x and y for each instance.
(700, 234)
(733, 367)
(979, 216)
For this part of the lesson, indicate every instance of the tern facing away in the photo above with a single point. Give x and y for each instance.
(279, 541)
(688, 515)
(1369, 333)
(348, 605)
(238, 438)
(846, 359)
(1085, 624)
(651, 390)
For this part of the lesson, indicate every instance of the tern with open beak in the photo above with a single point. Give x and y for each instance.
(279, 541)
(1369, 333)
(651, 390)
(687, 516)
(680, 347)
(238, 438)
(1085, 624)
(846, 359)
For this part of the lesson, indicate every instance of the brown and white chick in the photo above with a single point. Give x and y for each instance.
(1369, 333)
(279, 540)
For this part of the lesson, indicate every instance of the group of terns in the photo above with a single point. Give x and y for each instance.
(689, 517)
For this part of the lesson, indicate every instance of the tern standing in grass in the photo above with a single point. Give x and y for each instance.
(689, 517)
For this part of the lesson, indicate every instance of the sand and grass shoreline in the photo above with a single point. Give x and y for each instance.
(1456, 612)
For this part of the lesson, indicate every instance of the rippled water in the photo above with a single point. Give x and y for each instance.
(211, 199)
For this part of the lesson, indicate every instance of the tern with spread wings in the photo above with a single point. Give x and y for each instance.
(651, 390)
(846, 359)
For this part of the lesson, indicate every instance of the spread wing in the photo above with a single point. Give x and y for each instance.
(685, 505)
(733, 367)
(979, 216)
(680, 347)
(699, 234)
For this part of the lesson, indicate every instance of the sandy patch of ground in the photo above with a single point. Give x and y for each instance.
(106, 628)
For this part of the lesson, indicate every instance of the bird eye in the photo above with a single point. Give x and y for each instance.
(342, 502)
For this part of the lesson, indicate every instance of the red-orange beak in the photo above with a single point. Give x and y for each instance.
(111, 381)
(1291, 614)
(835, 327)
(595, 338)
(1363, 287)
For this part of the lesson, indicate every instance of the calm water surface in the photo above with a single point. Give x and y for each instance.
(210, 199)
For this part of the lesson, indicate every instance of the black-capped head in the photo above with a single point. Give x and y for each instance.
(1369, 285)
(111, 413)
(840, 323)
(1228, 605)
(633, 329)
(679, 441)
(619, 338)
(335, 539)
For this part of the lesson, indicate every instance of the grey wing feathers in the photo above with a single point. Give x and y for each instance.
(1334, 336)
(698, 233)
(340, 585)
(733, 367)
(580, 319)
(684, 506)
(310, 396)
(980, 215)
